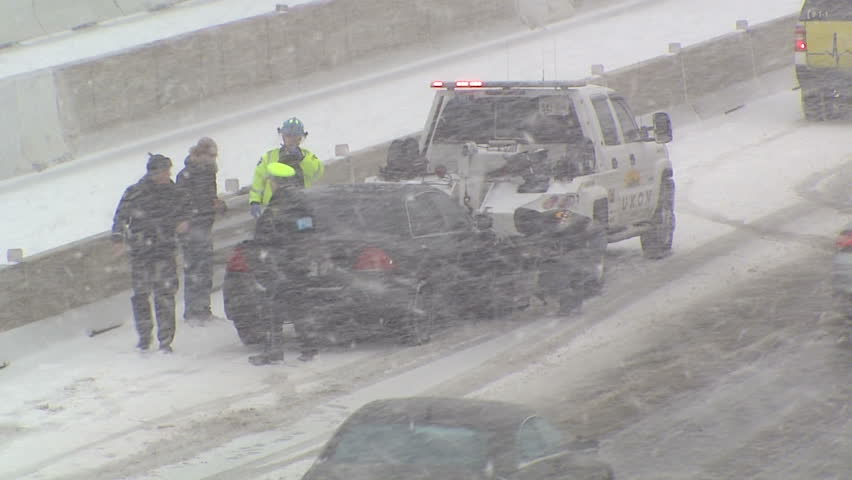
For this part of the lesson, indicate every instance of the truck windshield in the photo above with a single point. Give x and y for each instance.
(480, 119)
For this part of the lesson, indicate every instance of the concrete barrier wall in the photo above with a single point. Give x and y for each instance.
(178, 74)
(30, 127)
(70, 276)
(254, 52)
(683, 78)
(22, 20)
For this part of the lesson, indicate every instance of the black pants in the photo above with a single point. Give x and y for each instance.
(154, 274)
(290, 304)
(197, 246)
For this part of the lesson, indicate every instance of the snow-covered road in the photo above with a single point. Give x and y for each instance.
(109, 412)
(92, 408)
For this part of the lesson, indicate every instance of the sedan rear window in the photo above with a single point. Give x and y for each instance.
(411, 444)
(360, 213)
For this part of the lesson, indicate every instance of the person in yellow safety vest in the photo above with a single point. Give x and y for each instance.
(308, 167)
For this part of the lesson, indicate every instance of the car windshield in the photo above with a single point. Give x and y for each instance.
(411, 444)
(540, 119)
(826, 10)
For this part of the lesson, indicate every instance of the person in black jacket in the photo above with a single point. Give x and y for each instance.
(197, 181)
(284, 229)
(146, 221)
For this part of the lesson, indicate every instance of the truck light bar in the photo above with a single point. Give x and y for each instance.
(506, 84)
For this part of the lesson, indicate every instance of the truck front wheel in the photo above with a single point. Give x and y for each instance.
(657, 240)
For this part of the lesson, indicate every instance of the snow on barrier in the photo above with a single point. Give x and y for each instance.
(74, 275)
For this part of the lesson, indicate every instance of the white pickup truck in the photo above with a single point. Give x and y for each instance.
(556, 169)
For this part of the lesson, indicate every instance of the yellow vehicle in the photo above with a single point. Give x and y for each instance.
(823, 54)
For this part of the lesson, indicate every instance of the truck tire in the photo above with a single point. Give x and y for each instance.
(657, 240)
(594, 281)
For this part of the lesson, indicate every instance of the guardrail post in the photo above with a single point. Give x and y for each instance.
(742, 26)
(599, 75)
(232, 185)
(675, 48)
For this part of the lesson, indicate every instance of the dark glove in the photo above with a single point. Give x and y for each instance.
(256, 210)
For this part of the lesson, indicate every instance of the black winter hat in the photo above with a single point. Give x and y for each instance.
(158, 162)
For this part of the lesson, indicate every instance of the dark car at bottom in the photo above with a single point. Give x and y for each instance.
(381, 258)
(452, 439)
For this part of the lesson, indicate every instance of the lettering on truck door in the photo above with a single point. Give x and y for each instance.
(624, 198)
(641, 184)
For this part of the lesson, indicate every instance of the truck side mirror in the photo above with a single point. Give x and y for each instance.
(662, 127)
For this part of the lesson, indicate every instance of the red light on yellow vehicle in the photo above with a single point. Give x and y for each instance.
(437, 84)
(800, 44)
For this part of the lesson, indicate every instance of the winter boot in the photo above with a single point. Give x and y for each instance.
(267, 358)
(307, 355)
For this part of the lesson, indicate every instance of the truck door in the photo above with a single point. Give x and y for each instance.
(640, 180)
(614, 158)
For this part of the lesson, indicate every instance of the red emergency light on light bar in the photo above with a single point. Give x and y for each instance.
(457, 84)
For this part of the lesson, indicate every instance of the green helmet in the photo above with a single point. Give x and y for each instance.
(293, 127)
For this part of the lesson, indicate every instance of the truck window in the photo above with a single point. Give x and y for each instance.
(826, 10)
(625, 118)
(606, 121)
(541, 119)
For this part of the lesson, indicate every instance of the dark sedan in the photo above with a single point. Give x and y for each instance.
(381, 258)
(452, 438)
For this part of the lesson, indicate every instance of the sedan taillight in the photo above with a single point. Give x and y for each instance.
(373, 259)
